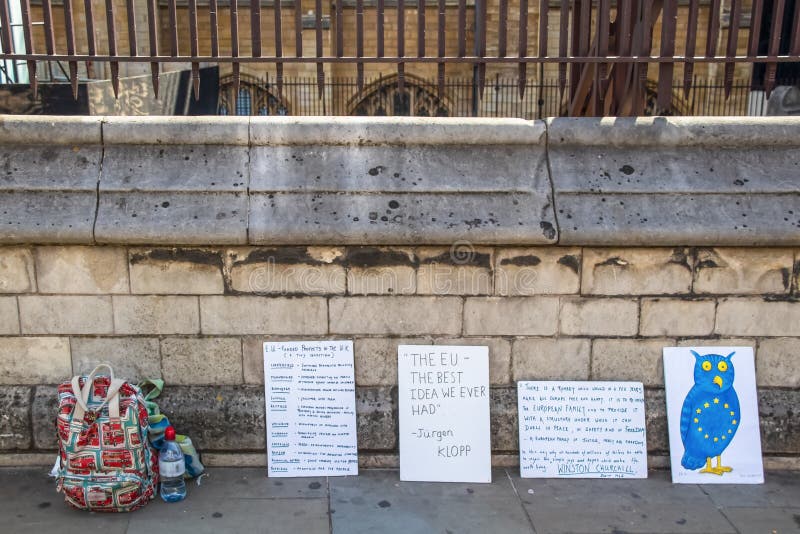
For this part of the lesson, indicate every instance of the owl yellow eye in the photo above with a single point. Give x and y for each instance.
(722, 366)
(706, 365)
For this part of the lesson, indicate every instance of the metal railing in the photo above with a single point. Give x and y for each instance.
(603, 50)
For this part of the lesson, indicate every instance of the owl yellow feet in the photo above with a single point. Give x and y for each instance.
(713, 470)
(722, 468)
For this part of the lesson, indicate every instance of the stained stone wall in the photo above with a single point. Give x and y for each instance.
(161, 284)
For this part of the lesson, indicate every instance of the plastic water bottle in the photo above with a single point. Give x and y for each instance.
(171, 466)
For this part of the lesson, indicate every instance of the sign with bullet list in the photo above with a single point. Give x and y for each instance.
(444, 413)
(582, 429)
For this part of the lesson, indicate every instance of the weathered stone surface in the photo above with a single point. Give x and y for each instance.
(629, 359)
(499, 355)
(261, 315)
(65, 314)
(156, 315)
(166, 131)
(218, 417)
(537, 271)
(717, 342)
(49, 130)
(43, 416)
(34, 360)
(636, 271)
(724, 271)
(16, 270)
(550, 359)
(96, 270)
(778, 362)
(655, 406)
(382, 280)
(176, 271)
(175, 168)
(504, 425)
(9, 316)
(376, 418)
(599, 317)
(376, 359)
(49, 168)
(670, 218)
(395, 315)
(458, 270)
(676, 317)
(287, 270)
(514, 316)
(157, 217)
(757, 317)
(59, 217)
(780, 426)
(203, 361)
(15, 426)
(436, 218)
(133, 358)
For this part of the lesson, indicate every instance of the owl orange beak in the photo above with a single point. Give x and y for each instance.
(718, 380)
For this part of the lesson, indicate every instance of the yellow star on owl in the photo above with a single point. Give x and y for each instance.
(706, 405)
(725, 405)
(706, 436)
(734, 421)
(730, 431)
(716, 439)
(723, 437)
(733, 413)
(700, 429)
(696, 420)
(716, 401)
(699, 410)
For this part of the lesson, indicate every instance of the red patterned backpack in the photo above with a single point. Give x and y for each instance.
(106, 462)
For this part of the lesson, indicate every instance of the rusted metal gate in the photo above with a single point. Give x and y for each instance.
(604, 49)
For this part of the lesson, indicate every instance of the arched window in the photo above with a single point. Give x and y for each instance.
(255, 98)
(384, 97)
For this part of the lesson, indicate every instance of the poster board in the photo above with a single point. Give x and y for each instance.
(582, 429)
(444, 413)
(309, 391)
(712, 410)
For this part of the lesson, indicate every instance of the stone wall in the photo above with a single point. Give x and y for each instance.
(189, 296)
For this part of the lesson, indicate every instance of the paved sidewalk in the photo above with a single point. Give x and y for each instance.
(245, 500)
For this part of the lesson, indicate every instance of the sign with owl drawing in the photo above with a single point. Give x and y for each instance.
(712, 411)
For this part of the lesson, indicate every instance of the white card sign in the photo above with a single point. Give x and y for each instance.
(311, 408)
(712, 412)
(582, 430)
(444, 413)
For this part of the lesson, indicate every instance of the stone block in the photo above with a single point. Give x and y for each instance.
(537, 271)
(381, 271)
(599, 317)
(50, 168)
(743, 271)
(399, 315)
(218, 418)
(376, 359)
(461, 269)
(168, 132)
(550, 359)
(629, 359)
(204, 361)
(176, 271)
(677, 317)
(15, 423)
(511, 316)
(133, 358)
(34, 360)
(504, 423)
(156, 315)
(65, 314)
(717, 342)
(499, 355)
(16, 270)
(778, 362)
(264, 316)
(58, 217)
(780, 426)
(287, 270)
(43, 417)
(636, 271)
(48, 130)
(166, 218)
(9, 316)
(94, 270)
(655, 406)
(376, 418)
(757, 317)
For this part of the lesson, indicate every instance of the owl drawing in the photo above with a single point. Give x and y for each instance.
(710, 414)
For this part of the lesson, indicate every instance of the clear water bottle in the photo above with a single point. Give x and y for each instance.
(171, 466)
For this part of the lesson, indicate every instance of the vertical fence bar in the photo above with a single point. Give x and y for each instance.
(5, 29)
(318, 33)
(522, 67)
(401, 43)
(111, 28)
(278, 43)
(502, 30)
(133, 46)
(756, 13)
(25, 7)
(173, 27)
(298, 28)
(774, 43)
(91, 42)
(480, 44)
(733, 39)
(359, 44)
(69, 23)
(49, 36)
(421, 28)
(339, 29)
(713, 28)
(462, 28)
(574, 70)
(623, 23)
(440, 29)
(255, 24)
(603, 28)
(380, 15)
(691, 43)
(645, 45)
(234, 6)
(214, 25)
(152, 27)
(563, 37)
(794, 44)
(666, 70)
(194, 47)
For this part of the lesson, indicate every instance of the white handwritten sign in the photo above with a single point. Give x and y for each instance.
(444, 413)
(582, 430)
(311, 408)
